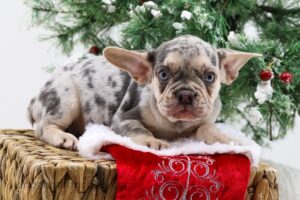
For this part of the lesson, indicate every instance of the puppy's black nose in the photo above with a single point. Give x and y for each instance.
(185, 97)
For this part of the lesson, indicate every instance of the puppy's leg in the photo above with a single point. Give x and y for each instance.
(139, 134)
(52, 129)
(209, 134)
(55, 136)
(54, 111)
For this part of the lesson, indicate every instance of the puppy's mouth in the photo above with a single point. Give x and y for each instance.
(186, 112)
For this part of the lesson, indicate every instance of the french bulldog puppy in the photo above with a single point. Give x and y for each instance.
(152, 97)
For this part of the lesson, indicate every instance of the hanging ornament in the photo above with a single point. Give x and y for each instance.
(286, 77)
(265, 75)
(94, 50)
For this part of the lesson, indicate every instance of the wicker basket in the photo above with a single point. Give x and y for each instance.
(33, 170)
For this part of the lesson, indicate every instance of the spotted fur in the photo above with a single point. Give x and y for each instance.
(130, 97)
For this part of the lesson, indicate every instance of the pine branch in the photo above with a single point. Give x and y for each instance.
(43, 9)
(246, 119)
(280, 11)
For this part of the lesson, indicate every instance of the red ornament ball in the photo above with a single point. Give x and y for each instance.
(94, 50)
(286, 77)
(265, 75)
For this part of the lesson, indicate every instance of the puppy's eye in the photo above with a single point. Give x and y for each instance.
(209, 77)
(163, 75)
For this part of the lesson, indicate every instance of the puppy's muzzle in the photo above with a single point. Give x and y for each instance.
(185, 97)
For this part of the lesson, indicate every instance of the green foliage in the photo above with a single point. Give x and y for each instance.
(71, 22)
(89, 22)
(279, 112)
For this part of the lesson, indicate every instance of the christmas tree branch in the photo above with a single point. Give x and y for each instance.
(43, 9)
(270, 121)
(242, 114)
(280, 11)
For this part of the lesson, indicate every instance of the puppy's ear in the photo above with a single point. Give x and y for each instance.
(137, 64)
(231, 62)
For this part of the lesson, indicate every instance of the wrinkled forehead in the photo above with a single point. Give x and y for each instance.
(186, 51)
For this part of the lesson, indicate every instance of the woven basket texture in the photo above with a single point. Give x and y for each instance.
(33, 170)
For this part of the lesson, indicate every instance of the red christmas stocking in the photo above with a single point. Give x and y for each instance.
(145, 176)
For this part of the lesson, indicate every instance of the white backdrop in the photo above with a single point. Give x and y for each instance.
(22, 58)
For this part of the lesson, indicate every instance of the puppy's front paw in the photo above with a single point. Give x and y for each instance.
(65, 141)
(211, 139)
(151, 142)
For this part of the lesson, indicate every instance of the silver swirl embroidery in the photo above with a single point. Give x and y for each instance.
(199, 169)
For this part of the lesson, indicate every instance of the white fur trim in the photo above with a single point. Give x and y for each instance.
(97, 136)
